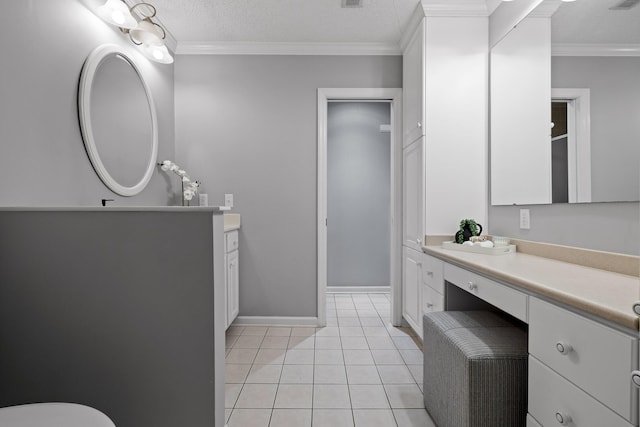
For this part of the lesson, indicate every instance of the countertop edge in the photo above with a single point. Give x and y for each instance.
(624, 320)
(185, 209)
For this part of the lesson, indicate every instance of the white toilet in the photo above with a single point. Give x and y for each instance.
(53, 415)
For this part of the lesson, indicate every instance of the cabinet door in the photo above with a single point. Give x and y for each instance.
(233, 288)
(413, 86)
(413, 195)
(411, 289)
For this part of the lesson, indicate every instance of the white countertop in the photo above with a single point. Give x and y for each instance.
(186, 209)
(602, 293)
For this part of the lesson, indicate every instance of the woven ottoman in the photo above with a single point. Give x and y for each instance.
(475, 370)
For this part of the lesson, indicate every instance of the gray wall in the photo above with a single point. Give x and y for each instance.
(615, 120)
(612, 227)
(44, 44)
(358, 194)
(247, 125)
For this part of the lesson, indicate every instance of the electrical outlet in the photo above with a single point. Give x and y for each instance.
(525, 220)
(228, 200)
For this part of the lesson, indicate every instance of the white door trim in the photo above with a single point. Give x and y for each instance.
(359, 94)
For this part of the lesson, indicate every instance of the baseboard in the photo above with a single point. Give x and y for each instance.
(275, 321)
(358, 289)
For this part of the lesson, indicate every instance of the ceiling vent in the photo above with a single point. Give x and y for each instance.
(625, 5)
(352, 3)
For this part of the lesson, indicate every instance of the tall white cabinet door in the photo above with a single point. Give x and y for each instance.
(233, 287)
(411, 289)
(413, 87)
(413, 212)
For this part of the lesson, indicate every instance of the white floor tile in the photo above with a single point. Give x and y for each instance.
(275, 342)
(242, 355)
(405, 343)
(413, 418)
(297, 374)
(236, 373)
(407, 396)
(358, 357)
(328, 343)
(329, 374)
(395, 374)
(375, 331)
(343, 312)
(294, 396)
(354, 343)
(257, 396)
(371, 321)
(302, 332)
(351, 331)
(362, 374)
(230, 340)
(250, 418)
(227, 415)
(302, 342)
(387, 357)
(412, 357)
(270, 356)
(329, 357)
(328, 331)
(348, 321)
(248, 341)
(369, 396)
(374, 418)
(255, 330)
(331, 397)
(291, 418)
(381, 343)
(299, 357)
(416, 372)
(332, 321)
(235, 330)
(264, 374)
(332, 418)
(231, 393)
(278, 331)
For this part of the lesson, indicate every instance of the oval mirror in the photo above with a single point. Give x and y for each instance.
(118, 120)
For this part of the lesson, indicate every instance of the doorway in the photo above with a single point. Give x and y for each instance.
(351, 261)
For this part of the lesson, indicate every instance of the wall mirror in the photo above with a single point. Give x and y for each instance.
(118, 120)
(565, 106)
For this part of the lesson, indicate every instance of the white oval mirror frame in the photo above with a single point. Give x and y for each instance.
(87, 76)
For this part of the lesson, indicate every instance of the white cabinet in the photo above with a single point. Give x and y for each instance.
(412, 289)
(413, 195)
(413, 87)
(231, 276)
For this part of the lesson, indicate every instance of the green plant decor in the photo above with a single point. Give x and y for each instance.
(473, 227)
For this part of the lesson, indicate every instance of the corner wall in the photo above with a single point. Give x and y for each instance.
(44, 44)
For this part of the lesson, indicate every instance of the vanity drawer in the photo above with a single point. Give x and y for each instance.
(433, 273)
(431, 300)
(552, 399)
(231, 240)
(596, 358)
(505, 298)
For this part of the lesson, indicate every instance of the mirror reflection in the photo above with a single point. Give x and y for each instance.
(589, 148)
(121, 120)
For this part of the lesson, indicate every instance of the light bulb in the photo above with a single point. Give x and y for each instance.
(157, 52)
(115, 12)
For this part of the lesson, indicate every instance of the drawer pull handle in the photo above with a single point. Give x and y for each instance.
(564, 348)
(563, 419)
(472, 286)
(636, 308)
(635, 378)
(429, 305)
(419, 125)
(419, 242)
(430, 273)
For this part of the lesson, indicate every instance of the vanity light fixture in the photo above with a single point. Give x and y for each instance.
(138, 23)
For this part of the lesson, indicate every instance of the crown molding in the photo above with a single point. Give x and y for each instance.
(410, 28)
(599, 49)
(283, 48)
(473, 8)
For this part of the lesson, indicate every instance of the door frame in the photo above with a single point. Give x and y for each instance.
(394, 95)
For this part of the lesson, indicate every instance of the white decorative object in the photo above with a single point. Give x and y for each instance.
(500, 250)
(189, 187)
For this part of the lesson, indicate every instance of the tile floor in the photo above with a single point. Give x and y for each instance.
(357, 371)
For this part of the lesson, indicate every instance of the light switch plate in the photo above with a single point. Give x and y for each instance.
(228, 200)
(525, 219)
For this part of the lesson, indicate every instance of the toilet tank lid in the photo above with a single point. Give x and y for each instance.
(54, 414)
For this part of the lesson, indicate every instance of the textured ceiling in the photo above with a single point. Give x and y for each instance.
(285, 21)
(591, 21)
